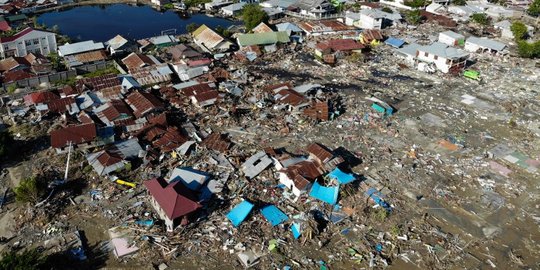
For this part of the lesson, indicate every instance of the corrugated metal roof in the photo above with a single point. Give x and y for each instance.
(487, 43)
(208, 37)
(75, 134)
(80, 47)
(263, 38)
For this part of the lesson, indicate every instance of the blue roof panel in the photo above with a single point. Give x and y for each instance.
(325, 194)
(273, 215)
(239, 213)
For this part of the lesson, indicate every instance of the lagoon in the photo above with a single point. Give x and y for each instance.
(103, 22)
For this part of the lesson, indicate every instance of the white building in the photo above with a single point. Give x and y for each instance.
(451, 38)
(370, 19)
(314, 8)
(444, 57)
(28, 41)
(482, 45)
(408, 52)
(233, 9)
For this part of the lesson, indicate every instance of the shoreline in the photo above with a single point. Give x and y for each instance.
(93, 2)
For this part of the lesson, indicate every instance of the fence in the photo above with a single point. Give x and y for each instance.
(36, 81)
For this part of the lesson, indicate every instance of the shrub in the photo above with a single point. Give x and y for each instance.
(28, 191)
(480, 18)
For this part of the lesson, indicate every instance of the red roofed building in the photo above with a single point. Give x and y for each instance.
(143, 103)
(4, 26)
(174, 202)
(39, 97)
(77, 135)
(16, 75)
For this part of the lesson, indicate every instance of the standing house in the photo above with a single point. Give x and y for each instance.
(483, 45)
(209, 40)
(369, 19)
(173, 202)
(331, 49)
(28, 41)
(120, 45)
(323, 27)
(234, 9)
(314, 8)
(451, 38)
(444, 57)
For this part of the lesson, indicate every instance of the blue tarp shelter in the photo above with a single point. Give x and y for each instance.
(325, 194)
(394, 42)
(341, 177)
(273, 215)
(240, 212)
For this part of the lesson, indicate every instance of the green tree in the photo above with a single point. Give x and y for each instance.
(459, 2)
(519, 30)
(223, 31)
(534, 8)
(387, 10)
(5, 142)
(413, 17)
(11, 88)
(529, 50)
(252, 15)
(480, 18)
(416, 3)
(30, 259)
(28, 190)
(192, 27)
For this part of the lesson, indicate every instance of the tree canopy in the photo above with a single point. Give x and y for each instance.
(534, 8)
(413, 17)
(480, 18)
(30, 259)
(519, 30)
(252, 15)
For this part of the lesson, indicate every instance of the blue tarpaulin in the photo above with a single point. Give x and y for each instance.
(240, 212)
(295, 228)
(394, 42)
(341, 177)
(377, 198)
(273, 215)
(325, 194)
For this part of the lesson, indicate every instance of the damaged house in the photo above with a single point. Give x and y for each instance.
(115, 157)
(173, 202)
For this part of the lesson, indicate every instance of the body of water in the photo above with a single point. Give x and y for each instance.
(103, 22)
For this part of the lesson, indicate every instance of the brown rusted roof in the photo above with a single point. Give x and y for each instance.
(197, 89)
(205, 96)
(318, 111)
(13, 62)
(16, 75)
(108, 158)
(320, 152)
(137, 60)
(291, 97)
(171, 140)
(274, 88)
(339, 45)
(143, 103)
(98, 83)
(207, 36)
(303, 173)
(372, 34)
(89, 57)
(115, 110)
(60, 105)
(76, 134)
(218, 142)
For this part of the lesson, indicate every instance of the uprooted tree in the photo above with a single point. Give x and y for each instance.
(29, 190)
(29, 259)
(252, 15)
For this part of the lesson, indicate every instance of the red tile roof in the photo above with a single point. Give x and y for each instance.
(143, 103)
(39, 97)
(76, 134)
(175, 199)
(16, 36)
